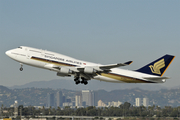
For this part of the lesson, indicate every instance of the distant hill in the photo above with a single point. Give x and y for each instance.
(38, 96)
(4, 89)
(92, 85)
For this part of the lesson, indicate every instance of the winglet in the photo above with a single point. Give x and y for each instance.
(128, 63)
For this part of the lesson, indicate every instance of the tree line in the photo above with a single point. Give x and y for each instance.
(126, 110)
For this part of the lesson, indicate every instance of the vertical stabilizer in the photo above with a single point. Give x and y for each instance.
(157, 67)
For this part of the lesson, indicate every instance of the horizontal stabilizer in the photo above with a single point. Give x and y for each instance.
(156, 78)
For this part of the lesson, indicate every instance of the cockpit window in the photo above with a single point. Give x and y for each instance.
(20, 47)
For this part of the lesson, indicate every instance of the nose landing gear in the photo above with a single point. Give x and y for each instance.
(21, 68)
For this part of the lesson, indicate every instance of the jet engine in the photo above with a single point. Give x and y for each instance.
(89, 70)
(63, 75)
(64, 70)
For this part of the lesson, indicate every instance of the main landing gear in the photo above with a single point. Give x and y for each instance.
(83, 80)
(21, 68)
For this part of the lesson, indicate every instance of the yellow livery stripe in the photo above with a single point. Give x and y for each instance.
(167, 66)
(124, 78)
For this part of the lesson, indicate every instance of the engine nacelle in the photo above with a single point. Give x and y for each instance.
(89, 70)
(64, 70)
(63, 75)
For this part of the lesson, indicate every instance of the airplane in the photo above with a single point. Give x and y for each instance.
(84, 71)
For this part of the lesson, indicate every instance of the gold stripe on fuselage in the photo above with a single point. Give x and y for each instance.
(123, 78)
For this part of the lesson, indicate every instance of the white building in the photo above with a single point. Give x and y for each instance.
(59, 99)
(67, 104)
(16, 108)
(78, 100)
(101, 104)
(138, 102)
(145, 102)
(114, 104)
(88, 97)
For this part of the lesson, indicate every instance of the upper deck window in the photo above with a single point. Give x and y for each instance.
(20, 47)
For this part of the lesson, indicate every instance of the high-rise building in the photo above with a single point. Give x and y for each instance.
(16, 108)
(94, 98)
(59, 99)
(50, 100)
(145, 102)
(78, 100)
(88, 97)
(138, 101)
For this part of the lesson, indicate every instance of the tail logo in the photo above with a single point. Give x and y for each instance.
(157, 66)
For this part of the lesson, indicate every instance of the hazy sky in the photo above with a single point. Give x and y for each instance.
(100, 31)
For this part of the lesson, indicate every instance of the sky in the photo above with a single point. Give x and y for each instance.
(100, 31)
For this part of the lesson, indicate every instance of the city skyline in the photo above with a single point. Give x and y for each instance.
(87, 98)
(39, 97)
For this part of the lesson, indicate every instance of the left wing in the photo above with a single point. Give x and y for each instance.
(115, 65)
(87, 72)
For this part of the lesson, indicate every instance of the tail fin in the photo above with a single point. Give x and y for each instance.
(157, 67)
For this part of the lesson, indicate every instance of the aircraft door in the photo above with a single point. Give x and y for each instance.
(28, 56)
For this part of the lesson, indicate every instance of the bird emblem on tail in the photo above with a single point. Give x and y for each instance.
(157, 66)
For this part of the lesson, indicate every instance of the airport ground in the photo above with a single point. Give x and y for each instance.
(90, 118)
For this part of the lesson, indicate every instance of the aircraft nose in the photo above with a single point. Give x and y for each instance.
(8, 53)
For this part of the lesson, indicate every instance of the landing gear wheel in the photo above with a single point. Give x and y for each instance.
(21, 69)
(82, 82)
(77, 82)
(76, 79)
(85, 82)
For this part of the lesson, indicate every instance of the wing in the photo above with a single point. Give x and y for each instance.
(102, 68)
(87, 72)
(115, 65)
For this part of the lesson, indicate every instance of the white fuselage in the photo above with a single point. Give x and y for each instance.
(46, 59)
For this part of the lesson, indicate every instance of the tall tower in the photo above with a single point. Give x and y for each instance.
(146, 102)
(50, 100)
(15, 108)
(78, 100)
(138, 102)
(94, 98)
(88, 97)
(59, 99)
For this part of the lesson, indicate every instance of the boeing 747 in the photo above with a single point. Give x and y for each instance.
(84, 71)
